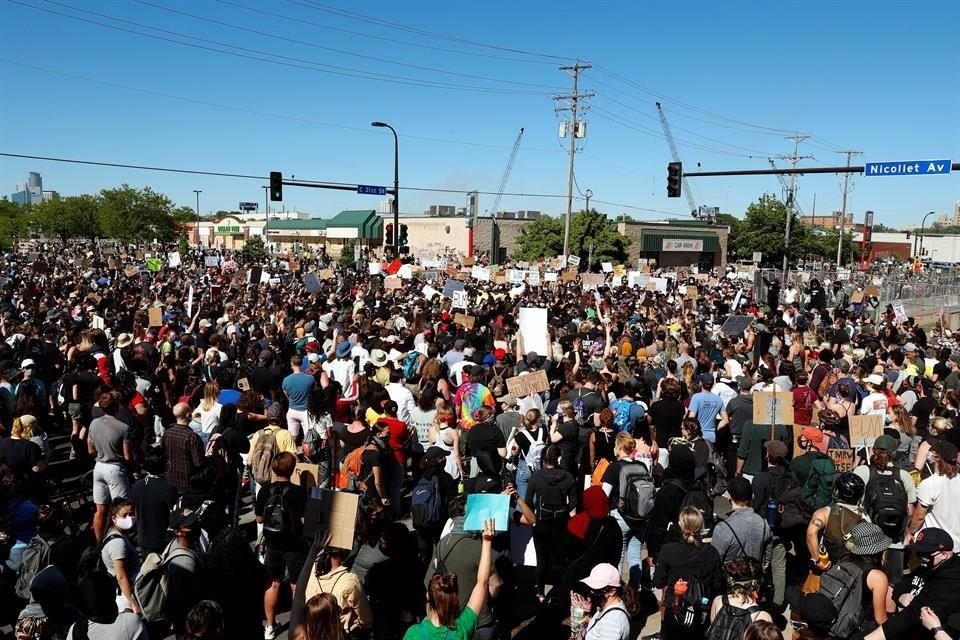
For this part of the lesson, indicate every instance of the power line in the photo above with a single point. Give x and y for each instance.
(268, 114)
(341, 51)
(314, 66)
(392, 25)
(361, 34)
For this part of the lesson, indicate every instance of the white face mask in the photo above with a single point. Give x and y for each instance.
(125, 523)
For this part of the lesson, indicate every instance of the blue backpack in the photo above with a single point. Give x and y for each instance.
(621, 415)
(410, 362)
(426, 505)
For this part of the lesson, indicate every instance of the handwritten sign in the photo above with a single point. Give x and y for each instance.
(464, 320)
(392, 283)
(515, 276)
(460, 299)
(592, 281)
(156, 316)
(480, 273)
(568, 276)
(573, 261)
(131, 271)
(899, 311)
(550, 276)
(533, 278)
(768, 406)
(607, 267)
(843, 459)
(865, 429)
(211, 261)
(468, 261)
(522, 386)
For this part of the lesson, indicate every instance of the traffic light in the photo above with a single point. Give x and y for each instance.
(402, 240)
(674, 176)
(276, 186)
(388, 236)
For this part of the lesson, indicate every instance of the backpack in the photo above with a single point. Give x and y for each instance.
(636, 492)
(699, 499)
(827, 382)
(188, 394)
(621, 415)
(150, 588)
(818, 489)
(885, 502)
(92, 575)
(426, 504)
(552, 501)
(410, 363)
(349, 477)
(843, 585)
(216, 455)
(36, 557)
(262, 455)
(277, 516)
(534, 455)
(690, 610)
(580, 409)
(731, 622)
(787, 507)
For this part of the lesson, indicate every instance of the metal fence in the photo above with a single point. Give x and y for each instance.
(893, 283)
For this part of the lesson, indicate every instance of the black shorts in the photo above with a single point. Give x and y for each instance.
(284, 564)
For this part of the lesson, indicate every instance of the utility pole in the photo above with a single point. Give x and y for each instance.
(843, 206)
(791, 198)
(573, 127)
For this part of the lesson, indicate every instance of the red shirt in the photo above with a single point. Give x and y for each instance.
(803, 400)
(398, 438)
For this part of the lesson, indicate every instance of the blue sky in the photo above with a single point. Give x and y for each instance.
(880, 77)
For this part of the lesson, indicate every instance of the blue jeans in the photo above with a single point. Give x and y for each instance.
(523, 480)
(630, 555)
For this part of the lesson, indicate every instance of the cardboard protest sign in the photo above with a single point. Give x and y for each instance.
(482, 507)
(857, 297)
(464, 320)
(872, 290)
(532, 322)
(568, 276)
(620, 271)
(843, 459)
(392, 283)
(155, 315)
(334, 512)
(113, 264)
(243, 384)
(468, 261)
(692, 292)
(311, 282)
(325, 274)
(306, 475)
(450, 286)
(769, 406)
(865, 429)
(523, 386)
(591, 281)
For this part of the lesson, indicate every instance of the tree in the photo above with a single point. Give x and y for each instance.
(346, 254)
(69, 217)
(544, 238)
(254, 250)
(130, 214)
(13, 222)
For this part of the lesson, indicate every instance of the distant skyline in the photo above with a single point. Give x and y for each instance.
(292, 86)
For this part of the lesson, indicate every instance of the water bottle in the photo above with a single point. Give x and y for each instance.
(576, 619)
(772, 513)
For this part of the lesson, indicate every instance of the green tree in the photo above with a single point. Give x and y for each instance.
(69, 217)
(254, 250)
(130, 214)
(544, 238)
(346, 254)
(184, 215)
(13, 223)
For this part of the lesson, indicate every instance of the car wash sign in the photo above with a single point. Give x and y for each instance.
(682, 245)
(907, 168)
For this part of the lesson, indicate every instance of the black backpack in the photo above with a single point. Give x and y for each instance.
(636, 492)
(552, 502)
(92, 575)
(692, 609)
(277, 516)
(885, 502)
(701, 501)
(731, 622)
(787, 507)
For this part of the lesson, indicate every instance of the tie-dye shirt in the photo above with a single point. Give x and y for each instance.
(471, 396)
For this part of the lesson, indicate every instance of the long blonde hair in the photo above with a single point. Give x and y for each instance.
(210, 392)
(22, 429)
(691, 523)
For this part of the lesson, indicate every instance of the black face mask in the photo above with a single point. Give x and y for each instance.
(926, 562)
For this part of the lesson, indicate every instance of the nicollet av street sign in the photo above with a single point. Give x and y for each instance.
(907, 168)
(369, 190)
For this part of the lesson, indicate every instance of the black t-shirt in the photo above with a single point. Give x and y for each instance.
(20, 455)
(51, 360)
(87, 384)
(263, 381)
(296, 500)
(153, 497)
(922, 410)
(941, 370)
(592, 401)
(483, 440)
(568, 445)
(667, 416)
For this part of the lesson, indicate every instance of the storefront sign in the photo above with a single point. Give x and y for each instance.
(682, 245)
(228, 229)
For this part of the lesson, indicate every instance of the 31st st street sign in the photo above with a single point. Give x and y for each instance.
(907, 168)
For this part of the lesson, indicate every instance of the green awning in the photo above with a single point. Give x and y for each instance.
(652, 241)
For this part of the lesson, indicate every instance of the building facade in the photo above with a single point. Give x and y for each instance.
(677, 243)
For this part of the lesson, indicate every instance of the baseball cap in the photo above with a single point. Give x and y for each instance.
(705, 378)
(436, 452)
(776, 449)
(875, 379)
(499, 354)
(886, 443)
(27, 363)
(909, 347)
(816, 437)
(931, 540)
(275, 412)
(602, 576)
(946, 450)
(744, 383)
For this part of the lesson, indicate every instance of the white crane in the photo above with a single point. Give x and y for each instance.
(694, 210)
(506, 175)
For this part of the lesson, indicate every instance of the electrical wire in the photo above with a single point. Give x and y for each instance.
(381, 38)
(314, 66)
(343, 51)
(256, 112)
(442, 36)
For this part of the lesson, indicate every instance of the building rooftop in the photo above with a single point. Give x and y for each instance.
(311, 224)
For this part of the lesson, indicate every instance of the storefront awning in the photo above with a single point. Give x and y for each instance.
(652, 241)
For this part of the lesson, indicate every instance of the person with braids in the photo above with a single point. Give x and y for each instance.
(321, 619)
(446, 619)
(684, 563)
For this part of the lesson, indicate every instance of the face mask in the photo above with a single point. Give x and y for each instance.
(926, 562)
(126, 523)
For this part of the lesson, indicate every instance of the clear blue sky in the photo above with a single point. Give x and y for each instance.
(881, 77)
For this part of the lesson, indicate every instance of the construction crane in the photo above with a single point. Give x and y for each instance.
(786, 189)
(494, 248)
(694, 210)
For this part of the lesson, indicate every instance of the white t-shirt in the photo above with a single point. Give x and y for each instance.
(209, 419)
(874, 404)
(342, 371)
(613, 623)
(941, 495)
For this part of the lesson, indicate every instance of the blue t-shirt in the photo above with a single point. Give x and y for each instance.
(707, 406)
(298, 386)
(229, 396)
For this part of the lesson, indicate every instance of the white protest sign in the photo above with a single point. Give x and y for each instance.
(405, 272)
(480, 273)
(375, 268)
(190, 302)
(515, 276)
(173, 259)
(607, 267)
(550, 276)
(899, 311)
(533, 330)
(533, 278)
(573, 261)
(736, 300)
(429, 292)
(460, 299)
(661, 284)
(211, 261)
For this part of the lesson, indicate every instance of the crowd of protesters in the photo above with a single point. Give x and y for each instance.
(185, 403)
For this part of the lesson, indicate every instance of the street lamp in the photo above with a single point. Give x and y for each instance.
(588, 194)
(198, 192)
(922, 225)
(396, 180)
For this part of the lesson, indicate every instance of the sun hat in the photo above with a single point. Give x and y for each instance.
(124, 340)
(378, 357)
(867, 539)
(343, 349)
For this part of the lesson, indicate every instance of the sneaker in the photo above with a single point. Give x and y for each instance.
(269, 633)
